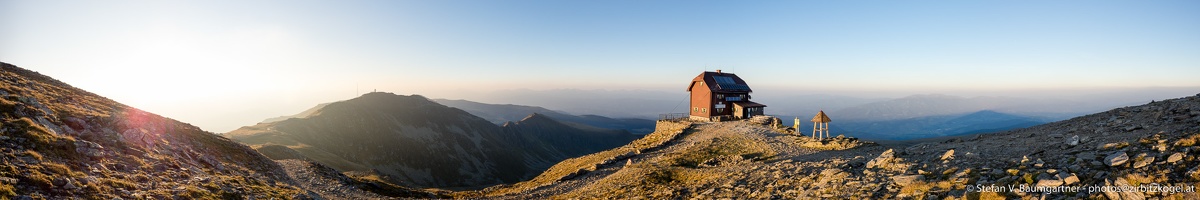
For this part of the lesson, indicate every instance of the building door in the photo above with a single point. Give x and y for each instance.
(739, 112)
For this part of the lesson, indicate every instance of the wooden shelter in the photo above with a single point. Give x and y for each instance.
(821, 125)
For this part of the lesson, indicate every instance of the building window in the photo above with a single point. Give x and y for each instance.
(695, 109)
(704, 110)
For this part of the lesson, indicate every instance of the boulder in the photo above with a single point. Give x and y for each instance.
(8, 180)
(907, 179)
(948, 155)
(62, 181)
(883, 160)
(1115, 159)
(1176, 157)
(1069, 179)
(1049, 183)
(1145, 161)
(1074, 140)
(88, 148)
(211, 161)
(1121, 182)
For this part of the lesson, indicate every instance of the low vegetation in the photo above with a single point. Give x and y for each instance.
(60, 142)
(666, 131)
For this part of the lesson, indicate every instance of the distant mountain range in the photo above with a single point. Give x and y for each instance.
(423, 143)
(937, 126)
(504, 113)
(1036, 106)
(945, 105)
(644, 104)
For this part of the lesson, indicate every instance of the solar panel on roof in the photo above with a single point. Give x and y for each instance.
(723, 80)
(727, 83)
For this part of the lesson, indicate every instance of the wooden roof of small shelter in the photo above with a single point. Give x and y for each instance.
(821, 117)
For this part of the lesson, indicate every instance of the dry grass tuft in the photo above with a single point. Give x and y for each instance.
(985, 196)
(7, 191)
(58, 169)
(1188, 141)
(34, 154)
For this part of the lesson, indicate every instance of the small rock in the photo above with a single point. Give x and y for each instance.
(70, 186)
(1075, 168)
(1121, 182)
(1116, 159)
(1160, 147)
(1006, 179)
(88, 179)
(61, 181)
(948, 155)
(1176, 157)
(1049, 182)
(1070, 179)
(1143, 162)
(907, 179)
(8, 180)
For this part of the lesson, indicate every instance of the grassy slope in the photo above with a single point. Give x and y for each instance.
(49, 126)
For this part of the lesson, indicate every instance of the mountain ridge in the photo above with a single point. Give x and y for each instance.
(427, 144)
(503, 113)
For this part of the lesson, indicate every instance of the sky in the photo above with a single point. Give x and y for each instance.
(224, 64)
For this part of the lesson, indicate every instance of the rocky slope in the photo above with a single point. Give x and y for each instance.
(1147, 145)
(61, 142)
(416, 142)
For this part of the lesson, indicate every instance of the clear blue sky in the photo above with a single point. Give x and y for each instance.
(248, 60)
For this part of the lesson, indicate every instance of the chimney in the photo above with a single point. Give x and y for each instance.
(718, 71)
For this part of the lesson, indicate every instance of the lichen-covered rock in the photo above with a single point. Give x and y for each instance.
(1116, 159)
